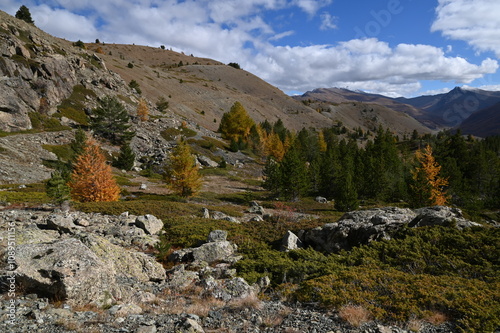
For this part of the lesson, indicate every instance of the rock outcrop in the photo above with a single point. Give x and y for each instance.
(363, 226)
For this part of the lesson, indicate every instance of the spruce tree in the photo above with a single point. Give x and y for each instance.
(181, 172)
(294, 175)
(56, 187)
(24, 14)
(272, 176)
(110, 121)
(126, 159)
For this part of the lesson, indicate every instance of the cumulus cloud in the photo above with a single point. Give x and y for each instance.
(327, 21)
(367, 64)
(475, 21)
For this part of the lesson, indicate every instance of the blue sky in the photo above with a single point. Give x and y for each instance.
(391, 47)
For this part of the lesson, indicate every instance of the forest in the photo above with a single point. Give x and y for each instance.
(385, 169)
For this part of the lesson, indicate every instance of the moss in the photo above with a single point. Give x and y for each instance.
(171, 133)
(43, 122)
(73, 106)
(63, 152)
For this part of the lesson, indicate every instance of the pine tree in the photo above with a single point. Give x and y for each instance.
(92, 180)
(181, 172)
(294, 175)
(24, 14)
(126, 159)
(347, 196)
(143, 110)
(427, 183)
(78, 143)
(56, 187)
(272, 176)
(110, 121)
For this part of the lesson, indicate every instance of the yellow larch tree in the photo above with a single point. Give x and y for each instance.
(143, 110)
(181, 172)
(428, 185)
(92, 179)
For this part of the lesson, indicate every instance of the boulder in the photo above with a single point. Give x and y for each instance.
(126, 263)
(205, 212)
(149, 223)
(217, 236)
(255, 208)
(207, 162)
(441, 215)
(321, 200)
(290, 242)
(358, 227)
(65, 269)
(216, 215)
(62, 223)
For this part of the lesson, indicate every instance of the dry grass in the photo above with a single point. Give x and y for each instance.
(251, 301)
(355, 315)
(437, 318)
(202, 306)
(415, 325)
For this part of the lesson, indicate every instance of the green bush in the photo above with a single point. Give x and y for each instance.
(391, 295)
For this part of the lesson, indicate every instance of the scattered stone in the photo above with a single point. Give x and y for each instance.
(217, 236)
(207, 162)
(61, 223)
(255, 208)
(143, 187)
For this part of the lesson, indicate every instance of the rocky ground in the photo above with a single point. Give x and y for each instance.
(84, 272)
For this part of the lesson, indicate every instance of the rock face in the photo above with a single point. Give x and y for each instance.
(363, 226)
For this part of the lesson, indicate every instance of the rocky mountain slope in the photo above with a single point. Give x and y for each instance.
(484, 122)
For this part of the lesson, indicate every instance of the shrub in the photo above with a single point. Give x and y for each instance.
(355, 315)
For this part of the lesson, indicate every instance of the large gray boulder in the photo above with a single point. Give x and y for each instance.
(358, 227)
(364, 226)
(441, 215)
(149, 223)
(65, 269)
(290, 242)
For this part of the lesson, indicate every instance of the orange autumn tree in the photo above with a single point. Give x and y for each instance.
(428, 186)
(92, 179)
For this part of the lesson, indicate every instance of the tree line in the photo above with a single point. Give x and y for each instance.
(447, 168)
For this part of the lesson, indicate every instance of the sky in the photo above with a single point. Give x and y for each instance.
(390, 47)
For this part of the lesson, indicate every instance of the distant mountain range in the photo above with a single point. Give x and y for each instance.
(474, 111)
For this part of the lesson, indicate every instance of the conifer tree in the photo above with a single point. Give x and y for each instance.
(143, 110)
(56, 187)
(428, 185)
(91, 179)
(126, 159)
(24, 14)
(110, 121)
(272, 176)
(236, 123)
(293, 174)
(347, 196)
(78, 143)
(181, 172)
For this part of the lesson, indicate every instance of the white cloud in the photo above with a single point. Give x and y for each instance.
(475, 21)
(364, 64)
(327, 21)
